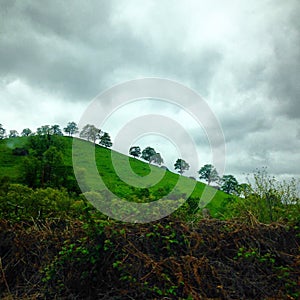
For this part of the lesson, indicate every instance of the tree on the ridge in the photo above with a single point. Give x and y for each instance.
(44, 130)
(135, 151)
(229, 184)
(71, 128)
(55, 130)
(2, 132)
(157, 159)
(90, 132)
(181, 165)
(13, 134)
(105, 140)
(208, 173)
(26, 132)
(147, 153)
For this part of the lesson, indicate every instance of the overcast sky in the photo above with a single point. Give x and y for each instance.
(242, 57)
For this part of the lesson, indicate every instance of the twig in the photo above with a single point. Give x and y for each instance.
(4, 279)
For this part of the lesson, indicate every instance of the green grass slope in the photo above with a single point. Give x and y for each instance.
(128, 178)
(10, 165)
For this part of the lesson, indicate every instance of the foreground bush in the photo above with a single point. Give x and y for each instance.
(100, 259)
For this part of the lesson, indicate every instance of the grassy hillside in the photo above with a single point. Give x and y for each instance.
(146, 180)
(55, 245)
(9, 163)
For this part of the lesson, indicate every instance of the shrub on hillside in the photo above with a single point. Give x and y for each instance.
(20, 152)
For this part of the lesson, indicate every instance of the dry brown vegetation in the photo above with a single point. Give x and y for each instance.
(168, 259)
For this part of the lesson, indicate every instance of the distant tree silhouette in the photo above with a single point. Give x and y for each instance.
(55, 130)
(13, 134)
(90, 132)
(26, 132)
(71, 128)
(44, 130)
(208, 173)
(229, 184)
(135, 151)
(181, 165)
(2, 132)
(157, 159)
(147, 153)
(105, 140)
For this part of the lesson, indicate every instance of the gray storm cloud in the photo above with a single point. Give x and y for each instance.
(243, 57)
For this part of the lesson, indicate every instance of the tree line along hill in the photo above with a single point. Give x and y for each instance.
(43, 161)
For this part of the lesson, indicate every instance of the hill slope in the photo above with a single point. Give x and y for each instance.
(144, 183)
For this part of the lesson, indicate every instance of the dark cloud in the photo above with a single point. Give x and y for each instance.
(285, 87)
(72, 47)
(57, 45)
(240, 124)
(244, 59)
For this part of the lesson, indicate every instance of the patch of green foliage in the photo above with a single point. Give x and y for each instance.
(10, 165)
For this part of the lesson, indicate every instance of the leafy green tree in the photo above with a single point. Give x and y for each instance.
(148, 153)
(135, 151)
(266, 200)
(208, 173)
(20, 202)
(105, 140)
(52, 167)
(51, 202)
(15, 202)
(32, 171)
(181, 165)
(41, 142)
(4, 183)
(44, 165)
(55, 130)
(26, 132)
(157, 159)
(13, 134)
(2, 132)
(71, 128)
(229, 184)
(90, 132)
(44, 130)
